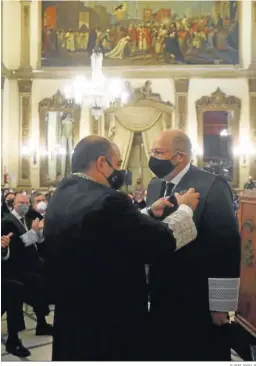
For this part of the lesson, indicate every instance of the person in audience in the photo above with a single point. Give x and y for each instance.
(7, 206)
(193, 293)
(95, 261)
(38, 206)
(50, 193)
(11, 302)
(250, 184)
(25, 264)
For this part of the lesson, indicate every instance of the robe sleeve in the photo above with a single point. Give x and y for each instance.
(182, 225)
(152, 238)
(223, 241)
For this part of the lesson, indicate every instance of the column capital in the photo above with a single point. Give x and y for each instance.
(181, 85)
(25, 86)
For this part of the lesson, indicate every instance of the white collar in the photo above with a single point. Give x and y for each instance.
(176, 180)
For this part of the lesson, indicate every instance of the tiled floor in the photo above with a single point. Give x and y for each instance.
(39, 346)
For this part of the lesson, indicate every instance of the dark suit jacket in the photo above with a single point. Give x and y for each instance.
(97, 245)
(180, 289)
(22, 259)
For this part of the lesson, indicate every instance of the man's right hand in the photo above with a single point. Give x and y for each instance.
(190, 198)
(5, 240)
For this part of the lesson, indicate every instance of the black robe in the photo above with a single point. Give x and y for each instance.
(181, 325)
(97, 245)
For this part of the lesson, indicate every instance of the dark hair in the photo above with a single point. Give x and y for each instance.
(88, 150)
(7, 194)
(37, 194)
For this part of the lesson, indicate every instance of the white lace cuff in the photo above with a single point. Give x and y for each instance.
(223, 294)
(29, 238)
(182, 225)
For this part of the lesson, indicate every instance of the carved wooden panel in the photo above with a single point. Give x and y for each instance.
(253, 132)
(247, 299)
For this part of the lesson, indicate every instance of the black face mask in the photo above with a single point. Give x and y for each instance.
(10, 202)
(161, 168)
(116, 179)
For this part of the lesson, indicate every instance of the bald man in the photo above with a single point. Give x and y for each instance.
(191, 297)
(97, 246)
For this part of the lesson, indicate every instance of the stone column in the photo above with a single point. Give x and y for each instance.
(253, 32)
(181, 103)
(2, 113)
(252, 96)
(25, 34)
(25, 87)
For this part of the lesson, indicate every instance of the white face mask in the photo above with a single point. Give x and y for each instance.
(41, 206)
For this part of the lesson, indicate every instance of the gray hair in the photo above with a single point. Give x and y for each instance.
(182, 144)
(33, 197)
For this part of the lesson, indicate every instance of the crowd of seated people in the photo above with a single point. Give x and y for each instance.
(22, 257)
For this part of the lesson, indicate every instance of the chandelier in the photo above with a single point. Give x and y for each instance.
(97, 93)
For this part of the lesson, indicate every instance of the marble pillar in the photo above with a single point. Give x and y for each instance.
(25, 87)
(25, 34)
(181, 103)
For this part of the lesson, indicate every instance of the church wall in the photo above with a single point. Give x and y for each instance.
(11, 130)
(204, 87)
(11, 37)
(43, 88)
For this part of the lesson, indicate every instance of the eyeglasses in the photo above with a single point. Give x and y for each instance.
(156, 152)
(159, 153)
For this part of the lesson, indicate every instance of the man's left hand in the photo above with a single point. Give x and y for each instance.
(219, 318)
(159, 206)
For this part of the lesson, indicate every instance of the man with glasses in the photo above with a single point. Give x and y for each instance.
(193, 295)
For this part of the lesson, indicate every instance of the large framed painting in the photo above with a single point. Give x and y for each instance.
(139, 33)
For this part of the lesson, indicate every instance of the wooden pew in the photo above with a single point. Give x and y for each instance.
(246, 314)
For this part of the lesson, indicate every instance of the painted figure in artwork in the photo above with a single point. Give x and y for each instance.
(151, 33)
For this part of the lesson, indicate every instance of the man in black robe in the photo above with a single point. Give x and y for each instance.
(97, 244)
(192, 295)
